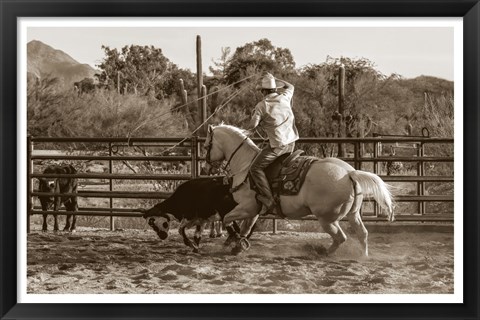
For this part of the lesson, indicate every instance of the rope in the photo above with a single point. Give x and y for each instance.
(220, 107)
(183, 105)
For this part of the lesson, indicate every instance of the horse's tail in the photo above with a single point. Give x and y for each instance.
(371, 184)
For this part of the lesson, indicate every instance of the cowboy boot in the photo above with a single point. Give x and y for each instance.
(268, 205)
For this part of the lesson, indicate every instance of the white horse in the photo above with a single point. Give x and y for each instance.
(332, 189)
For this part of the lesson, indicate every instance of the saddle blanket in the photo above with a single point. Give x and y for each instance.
(290, 176)
(287, 173)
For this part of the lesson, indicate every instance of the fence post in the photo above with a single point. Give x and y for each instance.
(110, 171)
(376, 148)
(194, 152)
(274, 226)
(204, 110)
(356, 155)
(200, 82)
(421, 185)
(29, 181)
(341, 110)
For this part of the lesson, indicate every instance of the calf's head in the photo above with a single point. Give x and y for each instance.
(161, 224)
(48, 184)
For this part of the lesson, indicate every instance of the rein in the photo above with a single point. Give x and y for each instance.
(234, 152)
(209, 148)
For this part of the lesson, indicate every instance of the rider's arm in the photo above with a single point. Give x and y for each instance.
(256, 117)
(287, 89)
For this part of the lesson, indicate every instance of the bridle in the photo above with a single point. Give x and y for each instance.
(216, 164)
(208, 159)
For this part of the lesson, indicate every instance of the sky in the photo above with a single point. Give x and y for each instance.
(408, 51)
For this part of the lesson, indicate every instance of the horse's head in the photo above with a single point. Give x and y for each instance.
(224, 142)
(161, 225)
(215, 154)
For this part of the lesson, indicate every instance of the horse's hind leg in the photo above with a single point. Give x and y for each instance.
(360, 230)
(356, 223)
(337, 234)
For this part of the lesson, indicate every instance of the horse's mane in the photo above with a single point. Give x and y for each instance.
(238, 131)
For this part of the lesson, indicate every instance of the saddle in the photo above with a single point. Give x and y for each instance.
(287, 173)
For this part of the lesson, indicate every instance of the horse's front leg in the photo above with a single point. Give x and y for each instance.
(244, 211)
(233, 231)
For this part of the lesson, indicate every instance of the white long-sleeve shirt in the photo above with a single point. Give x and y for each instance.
(275, 116)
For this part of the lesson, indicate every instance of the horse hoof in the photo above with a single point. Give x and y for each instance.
(237, 250)
(195, 250)
(322, 251)
(229, 241)
(213, 235)
(242, 245)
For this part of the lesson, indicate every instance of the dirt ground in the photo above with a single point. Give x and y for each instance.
(136, 261)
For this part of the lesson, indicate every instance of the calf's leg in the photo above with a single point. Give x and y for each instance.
(44, 208)
(185, 224)
(71, 218)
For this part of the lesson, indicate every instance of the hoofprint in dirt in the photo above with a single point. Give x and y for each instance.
(98, 261)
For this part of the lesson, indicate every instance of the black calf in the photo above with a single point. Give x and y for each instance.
(59, 185)
(194, 203)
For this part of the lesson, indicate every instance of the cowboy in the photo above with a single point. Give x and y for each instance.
(274, 115)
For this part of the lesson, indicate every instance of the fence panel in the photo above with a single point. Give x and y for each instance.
(357, 159)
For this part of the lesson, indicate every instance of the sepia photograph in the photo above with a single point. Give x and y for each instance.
(252, 160)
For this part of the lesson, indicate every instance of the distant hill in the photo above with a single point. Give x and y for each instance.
(428, 84)
(43, 60)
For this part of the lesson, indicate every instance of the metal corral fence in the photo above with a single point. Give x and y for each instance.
(364, 153)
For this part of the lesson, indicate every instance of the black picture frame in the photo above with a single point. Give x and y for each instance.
(11, 10)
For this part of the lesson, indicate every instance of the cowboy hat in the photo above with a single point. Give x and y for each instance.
(269, 82)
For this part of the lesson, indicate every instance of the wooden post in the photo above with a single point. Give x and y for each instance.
(29, 181)
(356, 155)
(421, 185)
(204, 110)
(376, 149)
(194, 154)
(274, 226)
(341, 109)
(112, 219)
(200, 81)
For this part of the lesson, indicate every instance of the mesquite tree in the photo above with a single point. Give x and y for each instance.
(134, 69)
